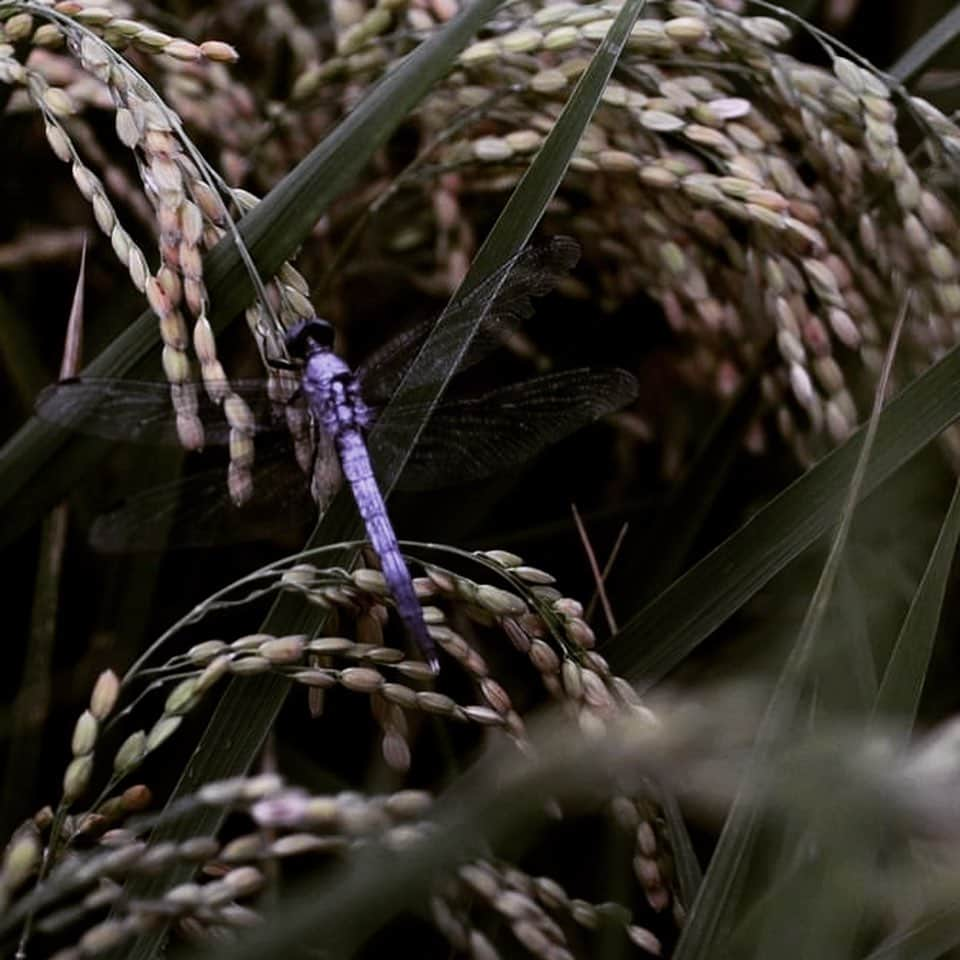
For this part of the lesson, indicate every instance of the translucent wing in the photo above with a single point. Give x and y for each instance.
(533, 272)
(141, 411)
(474, 438)
(198, 512)
(464, 439)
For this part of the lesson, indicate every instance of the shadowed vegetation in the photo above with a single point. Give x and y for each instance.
(695, 636)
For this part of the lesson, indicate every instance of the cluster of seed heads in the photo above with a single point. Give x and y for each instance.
(758, 197)
(651, 865)
(531, 617)
(189, 214)
(482, 907)
(286, 823)
(535, 909)
(63, 868)
(707, 138)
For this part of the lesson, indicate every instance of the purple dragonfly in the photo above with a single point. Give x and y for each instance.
(466, 438)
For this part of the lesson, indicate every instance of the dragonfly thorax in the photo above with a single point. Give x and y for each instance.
(309, 336)
(333, 393)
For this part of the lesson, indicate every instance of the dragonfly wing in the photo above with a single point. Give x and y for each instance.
(327, 477)
(141, 411)
(533, 272)
(478, 437)
(198, 512)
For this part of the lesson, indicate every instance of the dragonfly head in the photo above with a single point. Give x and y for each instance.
(307, 336)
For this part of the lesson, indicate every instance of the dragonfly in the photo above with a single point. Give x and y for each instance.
(463, 439)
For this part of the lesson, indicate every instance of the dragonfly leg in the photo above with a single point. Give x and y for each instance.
(282, 363)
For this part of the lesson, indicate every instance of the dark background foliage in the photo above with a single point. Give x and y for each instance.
(109, 606)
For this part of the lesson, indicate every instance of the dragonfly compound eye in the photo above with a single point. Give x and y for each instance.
(313, 332)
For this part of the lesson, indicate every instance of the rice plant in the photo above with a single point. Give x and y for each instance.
(686, 699)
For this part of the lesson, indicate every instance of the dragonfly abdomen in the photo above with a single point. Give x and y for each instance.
(355, 462)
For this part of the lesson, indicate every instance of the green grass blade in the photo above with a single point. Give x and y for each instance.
(917, 57)
(247, 711)
(934, 937)
(668, 629)
(40, 463)
(906, 671)
(30, 709)
(686, 864)
(897, 702)
(847, 672)
(799, 917)
(717, 908)
(820, 909)
(657, 559)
